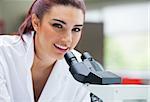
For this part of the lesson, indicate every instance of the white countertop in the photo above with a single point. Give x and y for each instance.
(119, 93)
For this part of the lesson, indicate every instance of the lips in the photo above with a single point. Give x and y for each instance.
(61, 47)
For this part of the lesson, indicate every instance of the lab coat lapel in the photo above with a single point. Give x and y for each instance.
(54, 83)
(29, 44)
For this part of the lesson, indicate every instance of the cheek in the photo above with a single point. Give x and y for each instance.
(50, 35)
(75, 40)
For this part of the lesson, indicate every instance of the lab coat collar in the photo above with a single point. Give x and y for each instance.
(29, 46)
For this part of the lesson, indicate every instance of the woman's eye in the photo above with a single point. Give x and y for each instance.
(57, 25)
(76, 29)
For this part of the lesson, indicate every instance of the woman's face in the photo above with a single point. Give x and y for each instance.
(58, 31)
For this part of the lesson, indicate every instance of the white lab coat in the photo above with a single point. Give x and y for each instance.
(16, 58)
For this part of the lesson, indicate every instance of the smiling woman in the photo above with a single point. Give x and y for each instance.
(32, 65)
(57, 34)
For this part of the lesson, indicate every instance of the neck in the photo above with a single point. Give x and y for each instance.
(41, 64)
(41, 61)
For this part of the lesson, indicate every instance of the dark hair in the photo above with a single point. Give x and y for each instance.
(40, 7)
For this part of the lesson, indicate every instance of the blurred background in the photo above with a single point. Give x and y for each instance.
(116, 33)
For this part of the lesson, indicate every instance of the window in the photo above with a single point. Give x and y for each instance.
(126, 38)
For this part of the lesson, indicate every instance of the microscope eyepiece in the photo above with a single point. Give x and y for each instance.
(70, 58)
(86, 55)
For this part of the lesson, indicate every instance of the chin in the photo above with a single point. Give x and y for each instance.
(60, 56)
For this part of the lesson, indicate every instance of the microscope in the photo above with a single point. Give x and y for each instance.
(90, 72)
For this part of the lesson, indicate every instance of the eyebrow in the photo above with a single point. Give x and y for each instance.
(59, 21)
(65, 22)
(79, 25)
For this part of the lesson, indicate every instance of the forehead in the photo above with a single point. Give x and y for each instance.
(66, 13)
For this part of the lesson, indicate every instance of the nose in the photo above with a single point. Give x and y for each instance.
(67, 37)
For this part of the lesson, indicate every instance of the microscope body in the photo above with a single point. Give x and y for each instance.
(89, 70)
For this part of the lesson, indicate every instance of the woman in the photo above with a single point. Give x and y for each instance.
(32, 65)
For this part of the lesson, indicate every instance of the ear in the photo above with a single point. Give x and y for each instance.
(35, 22)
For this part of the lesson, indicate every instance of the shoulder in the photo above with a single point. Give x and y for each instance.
(8, 39)
(14, 43)
(7, 43)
